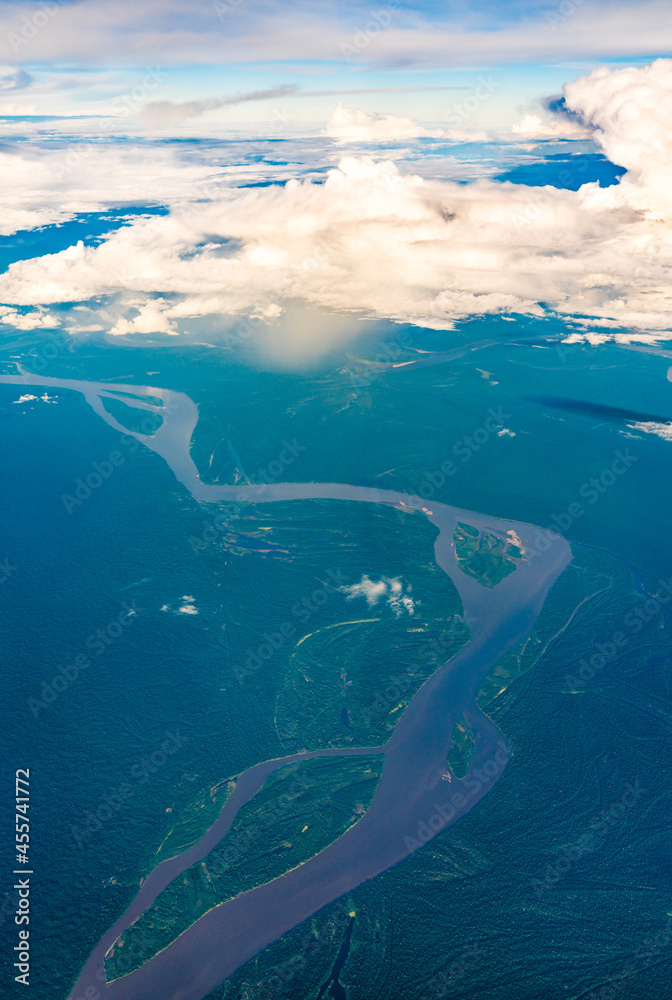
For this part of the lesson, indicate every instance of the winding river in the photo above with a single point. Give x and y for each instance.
(411, 803)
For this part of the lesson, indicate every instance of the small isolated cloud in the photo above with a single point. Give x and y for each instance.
(14, 78)
(46, 398)
(351, 125)
(187, 607)
(390, 591)
(663, 431)
(166, 113)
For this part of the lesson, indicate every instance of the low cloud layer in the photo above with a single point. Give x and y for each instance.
(50, 185)
(369, 240)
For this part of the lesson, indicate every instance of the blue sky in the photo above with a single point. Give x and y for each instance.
(82, 56)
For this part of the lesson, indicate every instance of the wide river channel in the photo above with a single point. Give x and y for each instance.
(412, 803)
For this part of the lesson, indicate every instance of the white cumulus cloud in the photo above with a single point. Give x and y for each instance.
(351, 125)
(372, 241)
(390, 591)
(532, 127)
(631, 109)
